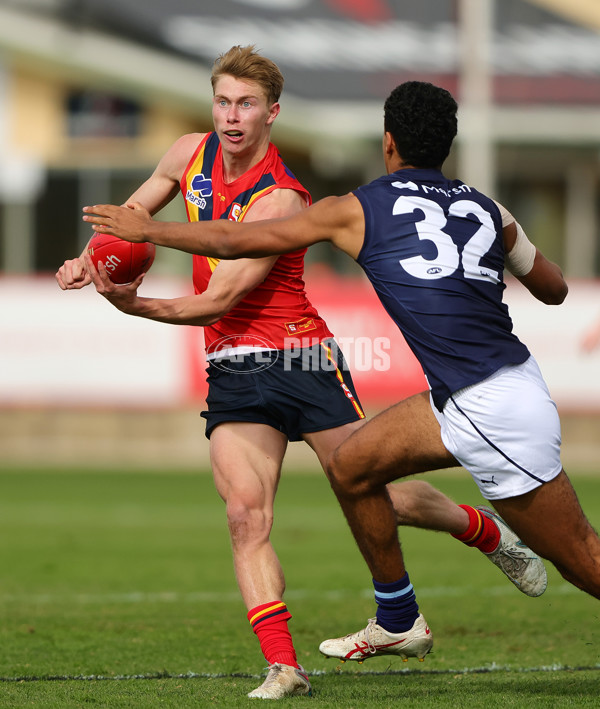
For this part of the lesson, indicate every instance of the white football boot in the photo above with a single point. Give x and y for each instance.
(522, 566)
(374, 640)
(283, 681)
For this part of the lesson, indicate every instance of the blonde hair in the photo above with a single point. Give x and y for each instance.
(247, 64)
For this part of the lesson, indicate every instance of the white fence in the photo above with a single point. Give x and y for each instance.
(71, 349)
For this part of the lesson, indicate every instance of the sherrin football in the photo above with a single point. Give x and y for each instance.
(123, 260)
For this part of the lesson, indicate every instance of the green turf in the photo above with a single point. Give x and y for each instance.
(117, 590)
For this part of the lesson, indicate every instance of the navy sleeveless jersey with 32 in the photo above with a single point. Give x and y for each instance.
(434, 253)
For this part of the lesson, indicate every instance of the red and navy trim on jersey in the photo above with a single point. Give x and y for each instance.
(278, 308)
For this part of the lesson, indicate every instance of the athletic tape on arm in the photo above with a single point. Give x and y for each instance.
(519, 260)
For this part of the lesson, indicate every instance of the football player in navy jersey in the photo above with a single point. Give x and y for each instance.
(434, 250)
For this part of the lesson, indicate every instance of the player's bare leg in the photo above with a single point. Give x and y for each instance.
(418, 504)
(403, 440)
(324, 443)
(359, 471)
(246, 460)
(550, 520)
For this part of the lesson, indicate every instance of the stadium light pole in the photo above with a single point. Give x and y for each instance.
(476, 155)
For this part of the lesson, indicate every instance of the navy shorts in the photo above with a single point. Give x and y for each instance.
(294, 391)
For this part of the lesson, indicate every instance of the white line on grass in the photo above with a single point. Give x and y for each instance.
(234, 596)
(492, 668)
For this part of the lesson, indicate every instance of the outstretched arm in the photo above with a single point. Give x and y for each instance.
(230, 281)
(339, 220)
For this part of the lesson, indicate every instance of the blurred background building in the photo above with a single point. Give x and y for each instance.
(92, 93)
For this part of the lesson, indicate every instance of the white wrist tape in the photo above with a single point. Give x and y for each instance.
(519, 260)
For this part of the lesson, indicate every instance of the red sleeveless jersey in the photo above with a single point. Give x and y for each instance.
(277, 313)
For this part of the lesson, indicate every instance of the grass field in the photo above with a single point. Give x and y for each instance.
(117, 590)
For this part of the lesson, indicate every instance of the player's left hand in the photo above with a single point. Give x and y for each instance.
(129, 222)
(123, 297)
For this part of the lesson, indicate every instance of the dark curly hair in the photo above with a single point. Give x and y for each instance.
(422, 120)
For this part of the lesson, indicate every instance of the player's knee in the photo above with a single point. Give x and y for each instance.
(248, 523)
(346, 478)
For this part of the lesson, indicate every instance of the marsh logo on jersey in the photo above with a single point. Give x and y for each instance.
(203, 186)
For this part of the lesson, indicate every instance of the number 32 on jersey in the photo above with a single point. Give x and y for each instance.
(448, 259)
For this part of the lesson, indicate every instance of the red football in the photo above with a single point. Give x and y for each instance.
(123, 260)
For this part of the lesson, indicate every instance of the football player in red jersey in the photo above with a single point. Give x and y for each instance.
(252, 311)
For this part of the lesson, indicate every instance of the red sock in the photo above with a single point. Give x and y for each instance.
(269, 622)
(482, 532)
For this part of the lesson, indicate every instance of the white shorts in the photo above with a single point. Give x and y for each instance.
(505, 431)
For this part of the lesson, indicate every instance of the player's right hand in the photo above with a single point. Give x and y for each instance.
(72, 275)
